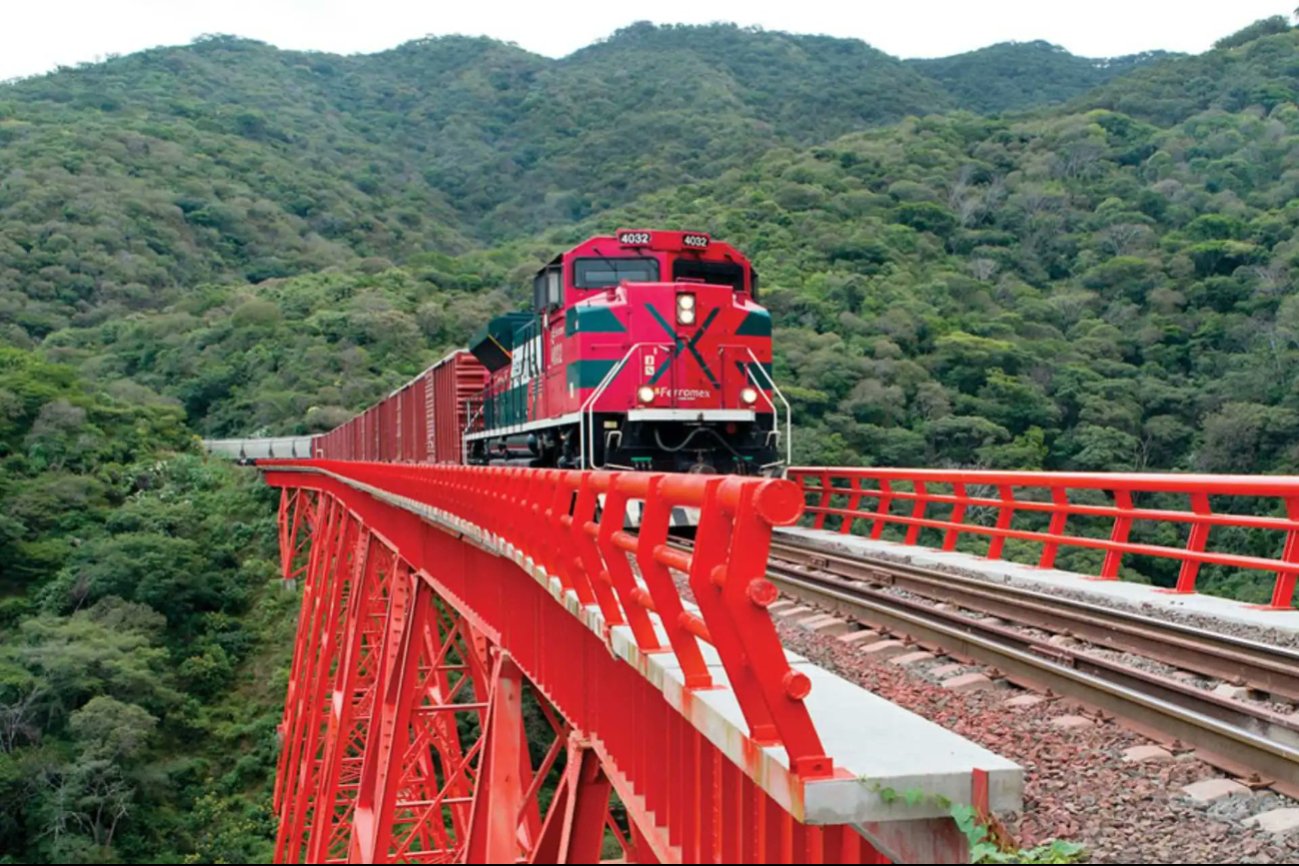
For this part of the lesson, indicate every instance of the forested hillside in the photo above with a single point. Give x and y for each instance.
(143, 648)
(1077, 289)
(128, 182)
(1019, 75)
(229, 239)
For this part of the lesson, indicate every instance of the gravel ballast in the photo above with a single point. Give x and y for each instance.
(1078, 786)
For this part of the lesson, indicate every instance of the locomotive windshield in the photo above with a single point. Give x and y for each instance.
(714, 273)
(602, 273)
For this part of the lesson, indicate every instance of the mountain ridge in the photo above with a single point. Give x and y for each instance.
(228, 159)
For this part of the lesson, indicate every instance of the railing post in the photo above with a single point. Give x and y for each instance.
(1283, 589)
(854, 505)
(710, 570)
(1195, 542)
(917, 512)
(1118, 535)
(1060, 497)
(1005, 514)
(881, 513)
(590, 563)
(566, 557)
(958, 516)
(824, 503)
(620, 574)
(662, 589)
(746, 594)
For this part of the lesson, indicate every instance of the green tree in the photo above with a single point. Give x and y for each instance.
(1262, 27)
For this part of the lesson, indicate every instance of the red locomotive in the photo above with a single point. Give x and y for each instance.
(643, 350)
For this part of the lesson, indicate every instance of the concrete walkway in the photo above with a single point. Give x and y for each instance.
(1147, 599)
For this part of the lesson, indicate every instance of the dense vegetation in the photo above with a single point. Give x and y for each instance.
(135, 179)
(230, 239)
(141, 649)
(1019, 75)
(1074, 289)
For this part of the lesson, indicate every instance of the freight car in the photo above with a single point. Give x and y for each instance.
(643, 350)
(423, 421)
(252, 450)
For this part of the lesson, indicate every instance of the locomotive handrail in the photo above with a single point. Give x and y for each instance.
(554, 520)
(587, 412)
(839, 493)
(789, 414)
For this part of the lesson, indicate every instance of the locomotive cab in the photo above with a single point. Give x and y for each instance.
(644, 350)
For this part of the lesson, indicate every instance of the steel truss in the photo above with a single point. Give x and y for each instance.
(444, 707)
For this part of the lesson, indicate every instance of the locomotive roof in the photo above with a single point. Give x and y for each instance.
(658, 240)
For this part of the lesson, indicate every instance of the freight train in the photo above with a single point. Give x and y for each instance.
(643, 350)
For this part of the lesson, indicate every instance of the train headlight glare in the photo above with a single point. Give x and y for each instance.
(686, 302)
(645, 394)
(749, 396)
(686, 317)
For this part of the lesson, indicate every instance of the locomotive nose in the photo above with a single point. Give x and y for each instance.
(681, 369)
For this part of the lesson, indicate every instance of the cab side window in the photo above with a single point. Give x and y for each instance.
(554, 288)
(539, 292)
(547, 289)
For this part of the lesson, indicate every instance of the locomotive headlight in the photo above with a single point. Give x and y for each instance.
(749, 396)
(645, 394)
(685, 309)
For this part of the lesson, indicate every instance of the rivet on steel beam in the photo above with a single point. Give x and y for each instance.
(717, 575)
(797, 685)
(762, 593)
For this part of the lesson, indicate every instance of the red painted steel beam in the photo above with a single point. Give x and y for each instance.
(404, 732)
(745, 509)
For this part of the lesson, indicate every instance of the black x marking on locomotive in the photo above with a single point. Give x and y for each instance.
(690, 346)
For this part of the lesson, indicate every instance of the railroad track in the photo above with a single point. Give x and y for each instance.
(1253, 742)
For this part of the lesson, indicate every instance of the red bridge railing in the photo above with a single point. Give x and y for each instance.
(435, 596)
(571, 524)
(1066, 510)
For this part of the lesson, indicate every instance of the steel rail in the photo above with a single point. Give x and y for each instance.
(1234, 659)
(1240, 739)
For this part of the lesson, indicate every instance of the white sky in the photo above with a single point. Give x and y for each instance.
(36, 37)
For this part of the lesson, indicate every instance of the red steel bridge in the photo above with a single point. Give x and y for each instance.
(491, 667)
